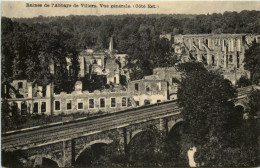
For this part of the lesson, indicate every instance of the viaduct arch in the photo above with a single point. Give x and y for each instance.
(38, 159)
(104, 141)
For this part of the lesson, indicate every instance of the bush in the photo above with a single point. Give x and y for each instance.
(243, 82)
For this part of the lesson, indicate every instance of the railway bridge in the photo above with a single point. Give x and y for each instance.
(65, 141)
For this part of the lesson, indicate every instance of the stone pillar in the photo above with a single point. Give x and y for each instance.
(103, 62)
(122, 146)
(19, 106)
(40, 91)
(30, 90)
(117, 78)
(199, 43)
(232, 45)
(68, 153)
(49, 101)
(29, 107)
(209, 59)
(242, 57)
(48, 90)
(190, 44)
(127, 138)
(238, 45)
(82, 70)
(37, 162)
(225, 58)
(209, 43)
(229, 46)
(163, 125)
(199, 57)
(223, 45)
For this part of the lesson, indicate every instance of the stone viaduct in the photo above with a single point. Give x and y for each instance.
(64, 142)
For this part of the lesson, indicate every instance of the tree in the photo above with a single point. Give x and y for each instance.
(252, 61)
(243, 82)
(5, 118)
(123, 80)
(254, 105)
(207, 102)
(14, 159)
(248, 136)
(10, 117)
(161, 53)
(247, 133)
(145, 149)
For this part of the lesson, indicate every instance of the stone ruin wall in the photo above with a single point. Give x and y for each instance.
(225, 51)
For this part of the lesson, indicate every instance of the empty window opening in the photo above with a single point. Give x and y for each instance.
(80, 105)
(147, 87)
(124, 102)
(129, 103)
(231, 58)
(35, 107)
(147, 102)
(91, 103)
(113, 102)
(69, 103)
(137, 103)
(20, 85)
(159, 86)
(44, 91)
(136, 87)
(43, 107)
(57, 105)
(102, 102)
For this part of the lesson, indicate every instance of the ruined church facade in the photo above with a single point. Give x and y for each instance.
(108, 63)
(220, 50)
(217, 51)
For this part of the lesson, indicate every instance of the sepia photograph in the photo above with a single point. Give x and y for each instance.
(130, 83)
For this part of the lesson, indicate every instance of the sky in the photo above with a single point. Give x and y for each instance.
(18, 9)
